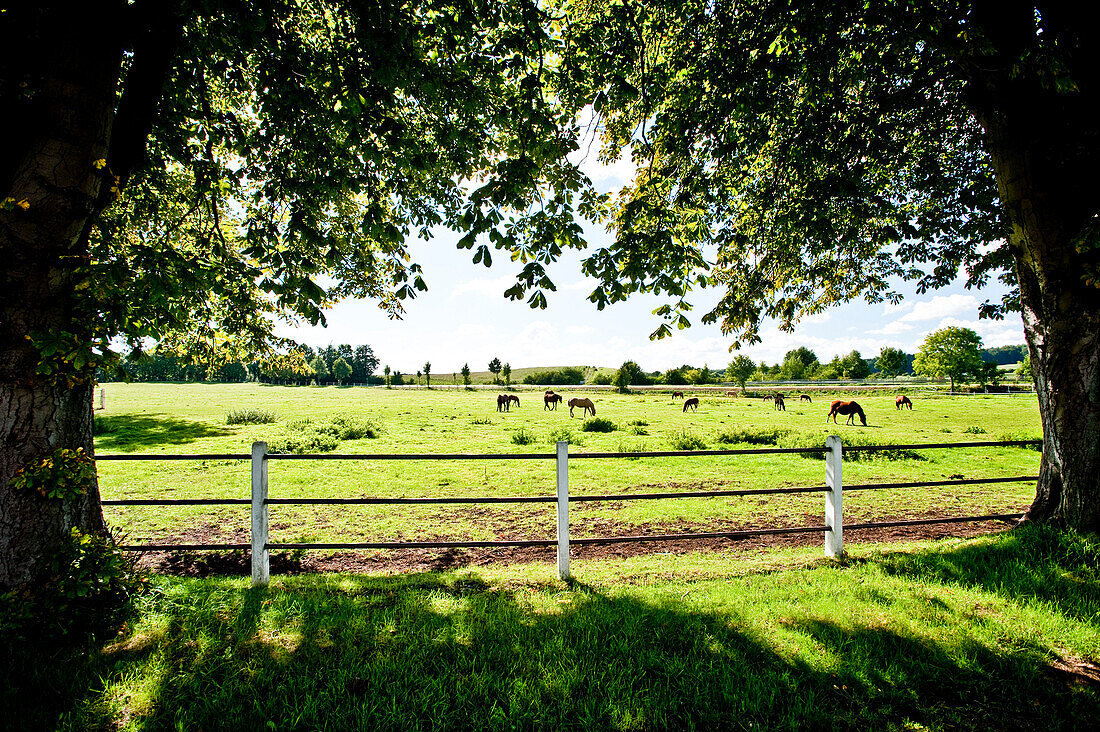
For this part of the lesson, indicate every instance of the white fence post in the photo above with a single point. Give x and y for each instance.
(261, 564)
(563, 509)
(102, 398)
(834, 497)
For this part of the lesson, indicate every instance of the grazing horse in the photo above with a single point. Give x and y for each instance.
(731, 393)
(805, 398)
(693, 403)
(512, 398)
(677, 394)
(503, 402)
(902, 401)
(849, 408)
(586, 406)
(780, 405)
(550, 400)
(769, 397)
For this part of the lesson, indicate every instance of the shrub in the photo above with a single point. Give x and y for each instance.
(250, 415)
(564, 434)
(636, 430)
(350, 427)
(974, 430)
(637, 423)
(556, 377)
(303, 442)
(753, 436)
(523, 436)
(685, 440)
(598, 424)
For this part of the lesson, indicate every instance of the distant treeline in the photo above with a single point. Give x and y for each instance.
(360, 359)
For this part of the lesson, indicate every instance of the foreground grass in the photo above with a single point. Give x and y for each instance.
(957, 634)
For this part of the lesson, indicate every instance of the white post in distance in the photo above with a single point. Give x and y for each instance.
(261, 561)
(834, 497)
(563, 509)
(102, 398)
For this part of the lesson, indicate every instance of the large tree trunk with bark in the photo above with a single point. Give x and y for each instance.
(1044, 137)
(60, 74)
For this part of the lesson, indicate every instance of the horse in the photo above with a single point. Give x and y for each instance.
(805, 398)
(849, 408)
(586, 406)
(780, 405)
(550, 400)
(503, 402)
(677, 394)
(731, 393)
(769, 397)
(512, 398)
(693, 403)
(901, 401)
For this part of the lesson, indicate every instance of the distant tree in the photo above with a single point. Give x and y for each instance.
(341, 370)
(428, 372)
(506, 369)
(676, 377)
(890, 361)
(466, 375)
(988, 373)
(418, 378)
(398, 379)
(705, 375)
(494, 368)
(363, 363)
(739, 371)
(629, 373)
(852, 366)
(951, 352)
(1023, 371)
(798, 364)
(387, 372)
(320, 368)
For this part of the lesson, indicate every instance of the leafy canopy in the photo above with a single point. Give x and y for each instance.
(952, 352)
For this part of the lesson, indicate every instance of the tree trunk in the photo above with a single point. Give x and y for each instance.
(1044, 138)
(61, 70)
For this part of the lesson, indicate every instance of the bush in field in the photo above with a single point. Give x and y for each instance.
(307, 435)
(564, 434)
(752, 436)
(302, 442)
(250, 415)
(523, 436)
(598, 424)
(685, 440)
(556, 377)
(975, 430)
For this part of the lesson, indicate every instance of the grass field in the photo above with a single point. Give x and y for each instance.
(169, 418)
(997, 632)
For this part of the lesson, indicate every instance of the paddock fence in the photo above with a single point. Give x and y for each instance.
(833, 489)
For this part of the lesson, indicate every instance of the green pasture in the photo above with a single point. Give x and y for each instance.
(996, 632)
(191, 419)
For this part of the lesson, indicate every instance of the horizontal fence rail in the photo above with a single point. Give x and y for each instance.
(833, 489)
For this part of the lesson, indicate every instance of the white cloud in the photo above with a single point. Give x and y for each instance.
(941, 306)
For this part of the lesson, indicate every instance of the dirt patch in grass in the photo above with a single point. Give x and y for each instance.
(237, 562)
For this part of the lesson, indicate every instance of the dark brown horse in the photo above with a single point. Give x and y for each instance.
(550, 400)
(805, 398)
(503, 402)
(780, 405)
(769, 397)
(677, 394)
(693, 403)
(850, 408)
(513, 398)
(903, 401)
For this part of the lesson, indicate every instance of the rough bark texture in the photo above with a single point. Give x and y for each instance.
(61, 69)
(1044, 138)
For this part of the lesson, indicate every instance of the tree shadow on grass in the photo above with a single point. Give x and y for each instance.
(453, 652)
(130, 432)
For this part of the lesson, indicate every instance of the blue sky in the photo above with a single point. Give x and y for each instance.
(464, 318)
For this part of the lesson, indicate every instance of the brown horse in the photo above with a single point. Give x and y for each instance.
(769, 397)
(550, 400)
(677, 394)
(805, 398)
(903, 401)
(513, 398)
(850, 408)
(586, 406)
(780, 405)
(503, 402)
(693, 403)
(731, 393)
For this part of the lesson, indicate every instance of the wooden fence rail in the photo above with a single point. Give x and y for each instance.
(833, 489)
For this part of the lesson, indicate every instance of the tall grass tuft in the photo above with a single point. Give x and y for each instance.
(523, 436)
(564, 434)
(684, 440)
(250, 415)
(598, 424)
